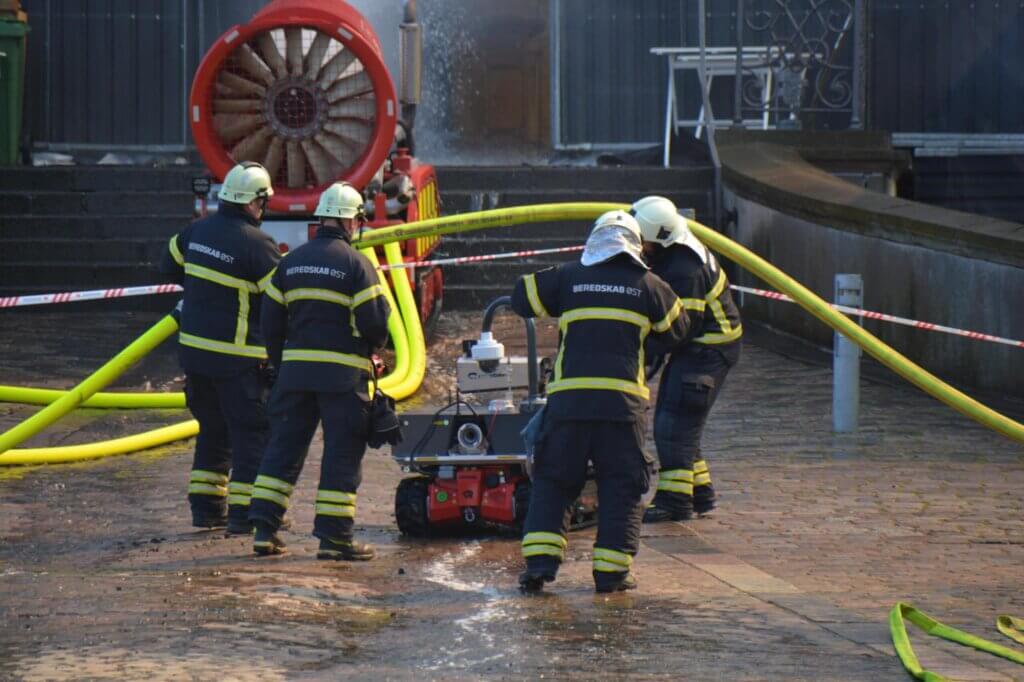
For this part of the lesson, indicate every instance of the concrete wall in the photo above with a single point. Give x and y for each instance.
(943, 277)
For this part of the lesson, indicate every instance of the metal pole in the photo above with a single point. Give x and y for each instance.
(737, 114)
(709, 114)
(849, 291)
(860, 46)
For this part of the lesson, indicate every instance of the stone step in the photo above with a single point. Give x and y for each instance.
(94, 227)
(501, 273)
(138, 251)
(455, 247)
(62, 276)
(99, 178)
(651, 179)
(464, 201)
(36, 203)
(472, 297)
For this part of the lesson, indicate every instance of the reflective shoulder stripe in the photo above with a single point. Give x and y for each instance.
(175, 251)
(274, 293)
(310, 294)
(367, 294)
(712, 339)
(220, 278)
(614, 314)
(698, 304)
(221, 346)
(719, 287)
(265, 280)
(313, 355)
(673, 314)
(530, 281)
(599, 383)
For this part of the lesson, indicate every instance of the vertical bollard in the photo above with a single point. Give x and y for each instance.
(846, 360)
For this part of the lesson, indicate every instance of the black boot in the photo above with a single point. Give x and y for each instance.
(668, 506)
(266, 541)
(532, 582)
(209, 519)
(345, 550)
(703, 498)
(613, 582)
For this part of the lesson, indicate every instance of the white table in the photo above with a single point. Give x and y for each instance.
(720, 61)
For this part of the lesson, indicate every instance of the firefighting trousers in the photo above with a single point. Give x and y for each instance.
(623, 474)
(689, 386)
(294, 416)
(233, 434)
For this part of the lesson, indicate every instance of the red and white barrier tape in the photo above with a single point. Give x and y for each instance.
(73, 296)
(871, 315)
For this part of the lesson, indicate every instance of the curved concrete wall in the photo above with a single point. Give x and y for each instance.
(917, 261)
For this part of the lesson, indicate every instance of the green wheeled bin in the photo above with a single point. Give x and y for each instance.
(13, 29)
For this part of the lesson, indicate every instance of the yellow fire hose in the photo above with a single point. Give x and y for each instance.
(395, 329)
(105, 448)
(45, 396)
(1008, 625)
(413, 328)
(587, 211)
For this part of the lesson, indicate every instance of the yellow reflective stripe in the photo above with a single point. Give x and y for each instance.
(530, 281)
(220, 278)
(543, 550)
(202, 475)
(366, 294)
(698, 304)
(609, 567)
(675, 475)
(613, 556)
(241, 488)
(700, 466)
(207, 489)
(599, 383)
(335, 496)
(702, 479)
(277, 498)
(239, 500)
(311, 355)
(721, 338)
(614, 314)
(720, 317)
(242, 326)
(221, 346)
(542, 538)
(274, 484)
(341, 510)
(264, 281)
(317, 295)
(175, 251)
(671, 317)
(676, 487)
(719, 287)
(274, 293)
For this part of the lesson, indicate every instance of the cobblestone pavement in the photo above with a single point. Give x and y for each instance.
(792, 578)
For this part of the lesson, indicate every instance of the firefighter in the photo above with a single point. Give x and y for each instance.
(608, 306)
(224, 262)
(696, 370)
(323, 315)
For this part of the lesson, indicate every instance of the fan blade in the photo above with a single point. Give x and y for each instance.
(315, 56)
(253, 147)
(341, 153)
(356, 85)
(335, 67)
(231, 127)
(248, 60)
(237, 106)
(272, 162)
(270, 54)
(293, 42)
(296, 166)
(354, 139)
(240, 85)
(324, 167)
(354, 108)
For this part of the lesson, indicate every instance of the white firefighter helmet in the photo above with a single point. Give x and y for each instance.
(613, 233)
(246, 182)
(660, 223)
(340, 200)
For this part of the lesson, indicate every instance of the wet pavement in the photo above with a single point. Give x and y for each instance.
(792, 578)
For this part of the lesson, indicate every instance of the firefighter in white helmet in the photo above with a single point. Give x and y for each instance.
(608, 304)
(323, 315)
(696, 370)
(224, 262)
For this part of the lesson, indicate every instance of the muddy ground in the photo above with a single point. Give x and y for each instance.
(101, 576)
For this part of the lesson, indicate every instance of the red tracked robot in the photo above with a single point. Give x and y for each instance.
(302, 89)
